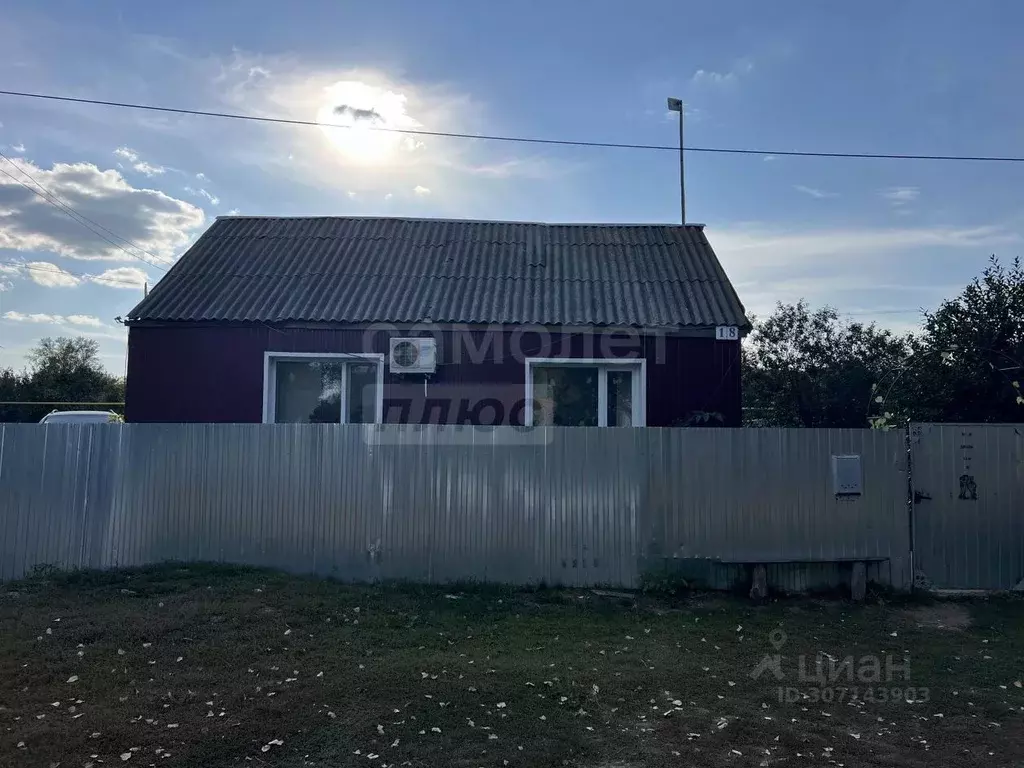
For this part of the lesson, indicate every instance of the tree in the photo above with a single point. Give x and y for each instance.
(968, 364)
(12, 390)
(65, 355)
(804, 368)
(61, 370)
(809, 369)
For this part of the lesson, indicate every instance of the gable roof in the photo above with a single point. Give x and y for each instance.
(364, 270)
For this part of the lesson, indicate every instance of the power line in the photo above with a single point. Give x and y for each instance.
(81, 221)
(79, 275)
(64, 204)
(515, 139)
(74, 215)
(70, 215)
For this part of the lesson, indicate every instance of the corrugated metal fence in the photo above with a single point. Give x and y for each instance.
(563, 506)
(969, 505)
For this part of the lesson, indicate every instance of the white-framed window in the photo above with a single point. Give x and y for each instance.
(331, 388)
(586, 392)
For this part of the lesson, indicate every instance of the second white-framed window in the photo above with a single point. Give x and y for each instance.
(570, 392)
(328, 388)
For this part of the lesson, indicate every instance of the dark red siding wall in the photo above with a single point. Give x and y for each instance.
(214, 373)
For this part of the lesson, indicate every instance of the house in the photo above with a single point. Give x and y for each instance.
(357, 320)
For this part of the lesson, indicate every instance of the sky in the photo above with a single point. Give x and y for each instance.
(881, 240)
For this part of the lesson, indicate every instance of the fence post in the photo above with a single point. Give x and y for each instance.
(910, 502)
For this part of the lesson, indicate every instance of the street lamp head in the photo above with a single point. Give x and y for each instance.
(675, 105)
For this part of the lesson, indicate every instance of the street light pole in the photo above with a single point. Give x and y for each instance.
(676, 105)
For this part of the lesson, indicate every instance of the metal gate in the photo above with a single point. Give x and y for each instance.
(968, 498)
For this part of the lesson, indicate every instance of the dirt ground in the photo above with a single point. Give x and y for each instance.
(211, 666)
(952, 617)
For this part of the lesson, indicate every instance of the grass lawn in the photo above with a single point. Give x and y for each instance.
(209, 666)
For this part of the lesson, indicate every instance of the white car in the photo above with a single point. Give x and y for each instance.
(81, 417)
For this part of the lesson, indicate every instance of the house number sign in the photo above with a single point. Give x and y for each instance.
(727, 333)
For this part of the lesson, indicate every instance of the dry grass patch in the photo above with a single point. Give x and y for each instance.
(211, 666)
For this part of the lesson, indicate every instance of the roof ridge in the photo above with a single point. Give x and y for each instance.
(276, 276)
(609, 224)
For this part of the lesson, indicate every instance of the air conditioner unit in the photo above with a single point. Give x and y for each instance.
(412, 355)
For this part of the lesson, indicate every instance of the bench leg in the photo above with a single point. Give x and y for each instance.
(858, 582)
(759, 586)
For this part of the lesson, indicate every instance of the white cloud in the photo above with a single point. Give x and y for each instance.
(138, 164)
(35, 317)
(233, 212)
(50, 275)
(900, 196)
(19, 148)
(523, 168)
(8, 270)
(716, 78)
(149, 218)
(148, 169)
(80, 325)
(421, 191)
(121, 277)
(214, 200)
(820, 194)
(873, 271)
(758, 246)
(351, 195)
(710, 77)
(86, 321)
(388, 196)
(202, 176)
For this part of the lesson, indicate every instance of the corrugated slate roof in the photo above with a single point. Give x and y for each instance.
(361, 270)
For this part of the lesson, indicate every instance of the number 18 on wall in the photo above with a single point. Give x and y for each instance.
(727, 333)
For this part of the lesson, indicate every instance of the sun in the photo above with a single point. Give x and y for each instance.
(362, 110)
